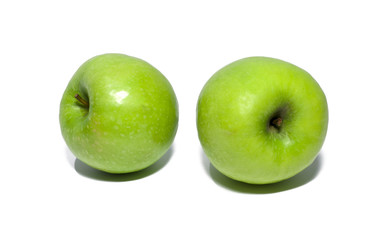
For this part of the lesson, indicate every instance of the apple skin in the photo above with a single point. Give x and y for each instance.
(132, 117)
(234, 113)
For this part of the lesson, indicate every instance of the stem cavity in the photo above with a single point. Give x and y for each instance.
(275, 123)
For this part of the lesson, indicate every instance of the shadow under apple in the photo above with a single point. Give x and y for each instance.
(89, 172)
(298, 180)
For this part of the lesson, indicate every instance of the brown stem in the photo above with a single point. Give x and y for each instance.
(81, 100)
(277, 122)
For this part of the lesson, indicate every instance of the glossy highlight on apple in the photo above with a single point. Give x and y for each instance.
(118, 114)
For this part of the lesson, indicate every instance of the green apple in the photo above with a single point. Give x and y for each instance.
(261, 120)
(118, 113)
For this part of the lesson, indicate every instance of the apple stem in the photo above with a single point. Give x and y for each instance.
(81, 100)
(277, 122)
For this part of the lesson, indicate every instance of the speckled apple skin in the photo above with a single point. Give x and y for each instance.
(132, 117)
(233, 113)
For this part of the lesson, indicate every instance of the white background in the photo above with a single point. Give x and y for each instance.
(47, 194)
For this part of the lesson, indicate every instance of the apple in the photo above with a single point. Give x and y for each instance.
(118, 113)
(261, 120)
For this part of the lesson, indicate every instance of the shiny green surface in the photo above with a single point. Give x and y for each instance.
(234, 111)
(132, 117)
